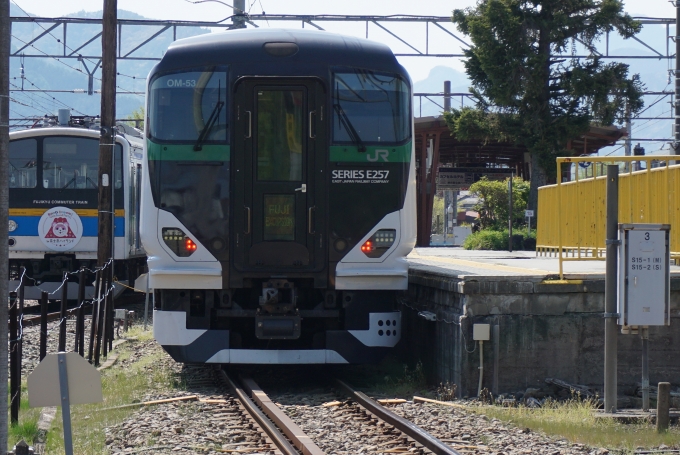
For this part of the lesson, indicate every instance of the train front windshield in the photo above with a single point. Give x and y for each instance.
(49, 163)
(189, 107)
(370, 108)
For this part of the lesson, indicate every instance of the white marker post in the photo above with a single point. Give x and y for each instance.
(61, 380)
(528, 214)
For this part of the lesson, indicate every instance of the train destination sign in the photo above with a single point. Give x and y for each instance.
(456, 178)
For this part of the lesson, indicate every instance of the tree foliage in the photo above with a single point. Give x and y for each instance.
(527, 95)
(493, 207)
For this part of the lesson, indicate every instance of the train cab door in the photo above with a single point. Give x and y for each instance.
(279, 176)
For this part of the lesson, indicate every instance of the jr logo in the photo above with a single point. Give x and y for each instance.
(379, 154)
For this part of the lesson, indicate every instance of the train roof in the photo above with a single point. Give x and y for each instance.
(70, 131)
(247, 46)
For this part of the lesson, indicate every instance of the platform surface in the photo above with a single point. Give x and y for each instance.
(461, 263)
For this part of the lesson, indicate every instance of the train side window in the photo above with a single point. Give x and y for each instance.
(73, 162)
(23, 163)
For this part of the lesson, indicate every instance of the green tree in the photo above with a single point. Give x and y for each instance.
(527, 95)
(137, 114)
(493, 207)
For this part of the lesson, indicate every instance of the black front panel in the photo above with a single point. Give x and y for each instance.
(197, 193)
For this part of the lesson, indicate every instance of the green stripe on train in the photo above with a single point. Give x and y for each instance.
(185, 152)
(373, 153)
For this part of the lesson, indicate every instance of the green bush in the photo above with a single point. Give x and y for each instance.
(493, 202)
(488, 239)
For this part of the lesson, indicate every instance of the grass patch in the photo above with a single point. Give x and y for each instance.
(27, 427)
(120, 385)
(575, 420)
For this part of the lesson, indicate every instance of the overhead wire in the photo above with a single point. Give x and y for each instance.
(130, 92)
(33, 100)
(60, 42)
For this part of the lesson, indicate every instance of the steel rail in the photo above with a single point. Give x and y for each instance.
(289, 428)
(274, 434)
(408, 428)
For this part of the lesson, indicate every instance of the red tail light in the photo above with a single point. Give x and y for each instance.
(189, 245)
(367, 247)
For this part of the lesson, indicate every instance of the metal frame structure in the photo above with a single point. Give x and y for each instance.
(439, 28)
(157, 28)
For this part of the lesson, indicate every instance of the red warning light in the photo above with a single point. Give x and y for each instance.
(189, 245)
(367, 247)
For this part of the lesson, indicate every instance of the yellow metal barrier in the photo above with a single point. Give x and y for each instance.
(572, 215)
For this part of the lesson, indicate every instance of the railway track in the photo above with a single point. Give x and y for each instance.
(377, 418)
(235, 415)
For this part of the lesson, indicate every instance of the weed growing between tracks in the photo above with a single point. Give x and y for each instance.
(575, 420)
(124, 383)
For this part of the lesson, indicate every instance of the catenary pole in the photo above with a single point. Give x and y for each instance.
(107, 137)
(239, 18)
(610, 333)
(5, 36)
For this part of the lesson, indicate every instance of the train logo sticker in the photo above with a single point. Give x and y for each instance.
(60, 228)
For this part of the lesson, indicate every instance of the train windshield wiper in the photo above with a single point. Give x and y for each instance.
(350, 128)
(214, 115)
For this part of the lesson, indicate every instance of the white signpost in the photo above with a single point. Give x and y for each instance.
(644, 275)
(643, 296)
(528, 214)
(61, 380)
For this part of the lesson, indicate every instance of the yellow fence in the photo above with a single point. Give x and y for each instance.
(572, 215)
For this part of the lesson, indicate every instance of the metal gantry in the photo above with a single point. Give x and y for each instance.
(409, 36)
(427, 25)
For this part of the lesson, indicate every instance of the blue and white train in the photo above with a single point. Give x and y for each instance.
(53, 174)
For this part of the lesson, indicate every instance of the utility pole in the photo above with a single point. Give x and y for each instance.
(676, 145)
(5, 34)
(107, 137)
(510, 213)
(629, 132)
(447, 96)
(239, 19)
(610, 316)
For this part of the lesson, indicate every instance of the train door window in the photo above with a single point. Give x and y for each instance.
(279, 135)
(23, 163)
(73, 162)
(370, 107)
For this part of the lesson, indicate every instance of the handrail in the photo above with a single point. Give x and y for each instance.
(648, 212)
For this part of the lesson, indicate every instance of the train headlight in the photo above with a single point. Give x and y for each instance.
(379, 243)
(13, 225)
(179, 242)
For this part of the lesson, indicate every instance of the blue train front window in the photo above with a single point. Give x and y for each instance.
(23, 163)
(189, 106)
(73, 162)
(370, 108)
